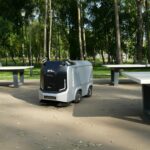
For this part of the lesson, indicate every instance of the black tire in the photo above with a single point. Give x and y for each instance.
(89, 94)
(78, 96)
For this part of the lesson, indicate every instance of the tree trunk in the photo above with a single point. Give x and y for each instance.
(84, 43)
(30, 47)
(59, 46)
(30, 51)
(83, 32)
(50, 30)
(6, 55)
(79, 29)
(139, 45)
(147, 30)
(45, 29)
(118, 51)
(23, 44)
(103, 58)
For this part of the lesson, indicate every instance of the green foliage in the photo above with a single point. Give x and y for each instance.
(98, 20)
(5, 30)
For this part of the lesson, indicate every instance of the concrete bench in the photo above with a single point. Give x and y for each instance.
(115, 69)
(16, 70)
(142, 78)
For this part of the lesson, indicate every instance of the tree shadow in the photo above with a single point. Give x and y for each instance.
(121, 109)
(122, 102)
(29, 93)
(107, 101)
(108, 81)
(6, 84)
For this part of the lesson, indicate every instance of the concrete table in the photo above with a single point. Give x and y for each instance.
(115, 69)
(16, 70)
(142, 78)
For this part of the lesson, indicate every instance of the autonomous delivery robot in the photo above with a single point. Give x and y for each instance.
(66, 81)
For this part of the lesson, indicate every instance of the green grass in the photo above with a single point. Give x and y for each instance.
(101, 72)
(8, 75)
(98, 72)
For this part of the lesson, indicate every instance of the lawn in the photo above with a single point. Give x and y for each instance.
(8, 75)
(98, 72)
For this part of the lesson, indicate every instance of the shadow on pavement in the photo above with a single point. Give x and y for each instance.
(29, 93)
(123, 102)
(107, 81)
(123, 109)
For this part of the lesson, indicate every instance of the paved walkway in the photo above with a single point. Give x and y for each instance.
(111, 119)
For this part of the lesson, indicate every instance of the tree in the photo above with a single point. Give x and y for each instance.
(139, 45)
(45, 28)
(75, 28)
(50, 29)
(118, 43)
(147, 22)
(80, 29)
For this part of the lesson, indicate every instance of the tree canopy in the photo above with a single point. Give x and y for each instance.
(116, 30)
